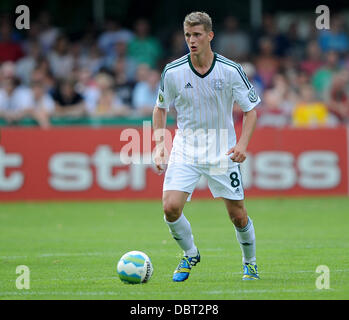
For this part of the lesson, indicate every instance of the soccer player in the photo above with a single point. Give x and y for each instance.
(203, 86)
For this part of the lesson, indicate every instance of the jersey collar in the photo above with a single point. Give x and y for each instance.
(208, 72)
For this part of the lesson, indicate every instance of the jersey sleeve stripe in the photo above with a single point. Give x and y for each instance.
(239, 70)
(177, 61)
(168, 67)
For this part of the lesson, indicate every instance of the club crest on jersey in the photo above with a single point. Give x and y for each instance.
(252, 95)
(218, 84)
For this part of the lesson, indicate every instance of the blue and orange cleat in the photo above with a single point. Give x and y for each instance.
(183, 270)
(250, 272)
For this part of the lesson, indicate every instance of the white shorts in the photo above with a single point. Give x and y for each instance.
(184, 177)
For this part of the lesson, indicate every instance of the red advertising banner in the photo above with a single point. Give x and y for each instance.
(297, 162)
(87, 163)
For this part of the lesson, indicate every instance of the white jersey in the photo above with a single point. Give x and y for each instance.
(204, 105)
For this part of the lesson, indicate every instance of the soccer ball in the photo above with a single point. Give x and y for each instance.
(135, 267)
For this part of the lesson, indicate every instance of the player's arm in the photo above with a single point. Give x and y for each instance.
(248, 126)
(165, 97)
(247, 98)
(159, 124)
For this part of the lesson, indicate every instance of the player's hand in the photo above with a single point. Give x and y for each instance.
(237, 153)
(159, 160)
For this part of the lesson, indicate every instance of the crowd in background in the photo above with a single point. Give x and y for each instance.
(301, 74)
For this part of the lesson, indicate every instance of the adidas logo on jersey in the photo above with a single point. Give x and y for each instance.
(188, 86)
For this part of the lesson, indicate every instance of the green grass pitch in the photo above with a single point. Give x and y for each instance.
(72, 249)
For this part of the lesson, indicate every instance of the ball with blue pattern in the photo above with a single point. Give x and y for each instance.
(135, 267)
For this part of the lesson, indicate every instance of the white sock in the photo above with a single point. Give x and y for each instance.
(247, 240)
(181, 232)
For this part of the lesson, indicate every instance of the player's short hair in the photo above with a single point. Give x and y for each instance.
(198, 18)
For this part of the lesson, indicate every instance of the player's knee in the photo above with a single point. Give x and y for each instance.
(238, 216)
(172, 210)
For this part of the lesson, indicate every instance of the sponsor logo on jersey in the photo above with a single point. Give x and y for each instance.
(188, 86)
(252, 95)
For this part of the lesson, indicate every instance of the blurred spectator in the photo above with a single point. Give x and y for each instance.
(6, 20)
(68, 102)
(32, 36)
(87, 87)
(145, 93)
(92, 60)
(124, 88)
(346, 61)
(313, 60)
(293, 44)
(177, 47)
(269, 30)
(277, 104)
(267, 64)
(42, 74)
(143, 48)
(297, 79)
(143, 71)
(124, 83)
(43, 65)
(42, 104)
(309, 111)
(26, 65)
(232, 42)
(48, 33)
(113, 33)
(9, 49)
(106, 74)
(291, 70)
(335, 38)
(15, 100)
(60, 59)
(108, 103)
(7, 70)
(76, 52)
(338, 96)
(119, 57)
(322, 78)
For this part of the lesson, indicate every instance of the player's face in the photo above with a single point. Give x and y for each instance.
(197, 39)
